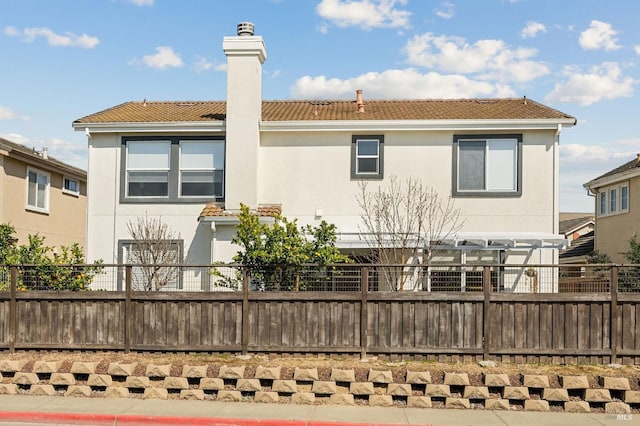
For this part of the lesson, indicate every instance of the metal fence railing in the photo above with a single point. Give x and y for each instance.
(596, 278)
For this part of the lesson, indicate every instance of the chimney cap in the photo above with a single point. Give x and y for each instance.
(245, 29)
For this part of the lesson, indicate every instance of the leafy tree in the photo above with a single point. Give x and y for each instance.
(629, 279)
(633, 254)
(274, 252)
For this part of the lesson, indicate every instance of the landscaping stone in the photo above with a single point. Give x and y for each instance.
(121, 369)
(12, 366)
(116, 392)
(553, 394)
(574, 382)
(380, 376)
(487, 364)
(284, 386)
(46, 367)
(339, 375)
(632, 397)
(518, 393)
(42, 390)
(78, 391)
(381, 400)
(21, 378)
(342, 399)
(248, 385)
(476, 392)
(305, 374)
(577, 407)
(194, 371)
(361, 388)
(192, 394)
(175, 383)
(137, 382)
(303, 398)
(496, 404)
(399, 389)
(8, 389)
(210, 383)
(597, 395)
(456, 379)
(418, 377)
(616, 383)
(438, 390)
(457, 403)
(80, 367)
(62, 379)
(323, 387)
(419, 402)
(536, 405)
(617, 408)
(227, 372)
(535, 381)
(100, 380)
(268, 373)
(158, 371)
(266, 397)
(155, 393)
(496, 380)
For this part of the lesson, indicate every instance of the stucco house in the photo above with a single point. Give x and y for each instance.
(195, 162)
(41, 195)
(617, 205)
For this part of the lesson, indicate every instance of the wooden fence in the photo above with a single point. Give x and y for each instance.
(548, 328)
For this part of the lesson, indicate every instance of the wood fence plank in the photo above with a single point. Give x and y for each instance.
(583, 314)
(533, 325)
(629, 330)
(571, 326)
(444, 326)
(395, 325)
(558, 326)
(520, 323)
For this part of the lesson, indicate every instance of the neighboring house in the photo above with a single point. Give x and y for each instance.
(41, 195)
(617, 200)
(194, 162)
(577, 228)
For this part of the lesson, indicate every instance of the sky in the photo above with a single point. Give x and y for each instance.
(65, 59)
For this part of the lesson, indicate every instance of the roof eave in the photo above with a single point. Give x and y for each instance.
(611, 179)
(151, 127)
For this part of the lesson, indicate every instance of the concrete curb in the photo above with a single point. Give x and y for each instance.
(132, 419)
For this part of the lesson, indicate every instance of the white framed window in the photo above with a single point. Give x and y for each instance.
(603, 203)
(148, 164)
(367, 157)
(38, 188)
(70, 186)
(624, 198)
(153, 270)
(613, 200)
(487, 165)
(201, 168)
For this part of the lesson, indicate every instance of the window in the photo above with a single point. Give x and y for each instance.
(172, 169)
(367, 157)
(151, 272)
(603, 203)
(37, 190)
(613, 200)
(487, 165)
(70, 186)
(624, 198)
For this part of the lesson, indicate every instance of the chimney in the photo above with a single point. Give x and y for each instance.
(245, 53)
(45, 153)
(359, 101)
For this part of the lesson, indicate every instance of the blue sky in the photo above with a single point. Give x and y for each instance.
(65, 59)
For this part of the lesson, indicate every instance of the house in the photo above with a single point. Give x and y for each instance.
(617, 202)
(195, 162)
(578, 229)
(41, 195)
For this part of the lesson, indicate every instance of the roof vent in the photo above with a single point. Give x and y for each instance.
(245, 29)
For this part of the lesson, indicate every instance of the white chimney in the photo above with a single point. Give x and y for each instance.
(245, 55)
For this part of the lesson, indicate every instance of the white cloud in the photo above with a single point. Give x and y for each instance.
(67, 152)
(398, 84)
(141, 2)
(532, 29)
(489, 59)
(601, 82)
(637, 49)
(7, 113)
(599, 36)
(445, 11)
(29, 35)
(202, 64)
(323, 28)
(164, 57)
(365, 14)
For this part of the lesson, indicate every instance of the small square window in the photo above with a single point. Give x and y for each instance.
(367, 157)
(70, 186)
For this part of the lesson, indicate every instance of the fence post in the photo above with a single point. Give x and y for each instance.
(13, 310)
(486, 333)
(364, 287)
(244, 339)
(614, 333)
(128, 320)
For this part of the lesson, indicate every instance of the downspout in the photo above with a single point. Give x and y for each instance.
(555, 253)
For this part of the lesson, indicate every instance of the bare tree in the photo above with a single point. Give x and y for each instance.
(155, 250)
(403, 223)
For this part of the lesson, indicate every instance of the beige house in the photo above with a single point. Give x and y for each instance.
(617, 199)
(194, 163)
(41, 195)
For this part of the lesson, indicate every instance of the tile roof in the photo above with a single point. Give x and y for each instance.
(266, 210)
(321, 110)
(582, 246)
(572, 224)
(36, 157)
